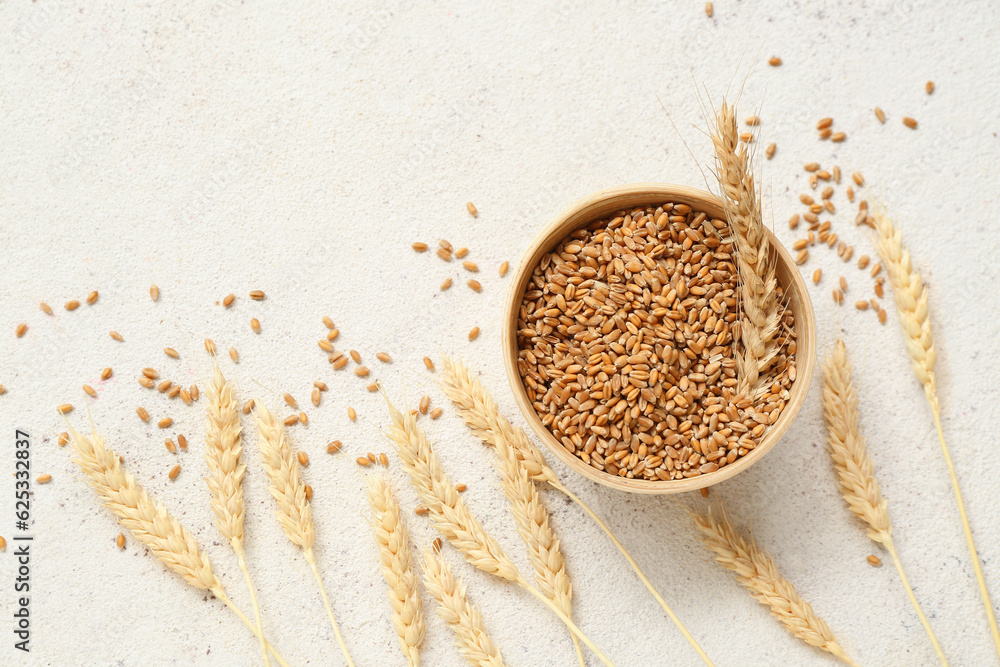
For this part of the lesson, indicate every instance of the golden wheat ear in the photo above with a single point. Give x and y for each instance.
(855, 469)
(395, 560)
(150, 523)
(758, 573)
(454, 609)
(223, 455)
(758, 296)
(294, 514)
(910, 295)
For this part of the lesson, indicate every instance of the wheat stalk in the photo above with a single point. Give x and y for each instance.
(911, 304)
(223, 448)
(758, 573)
(453, 519)
(282, 468)
(394, 558)
(479, 411)
(150, 523)
(754, 262)
(455, 610)
(854, 467)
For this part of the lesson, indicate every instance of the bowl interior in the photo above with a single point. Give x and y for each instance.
(601, 205)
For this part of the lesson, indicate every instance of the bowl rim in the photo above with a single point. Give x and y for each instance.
(600, 204)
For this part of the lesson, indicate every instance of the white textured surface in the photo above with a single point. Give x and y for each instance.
(300, 148)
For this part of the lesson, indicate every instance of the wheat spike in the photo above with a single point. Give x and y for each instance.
(453, 519)
(450, 515)
(758, 573)
(393, 543)
(754, 262)
(533, 526)
(854, 467)
(455, 610)
(911, 303)
(223, 448)
(150, 523)
(479, 411)
(282, 468)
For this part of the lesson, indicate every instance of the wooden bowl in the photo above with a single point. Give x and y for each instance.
(600, 205)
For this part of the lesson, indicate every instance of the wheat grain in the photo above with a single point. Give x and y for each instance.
(911, 304)
(854, 467)
(880, 115)
(479, 411)
(72, 305)
(910, 122)
(454, 609)
(393, 543)
(43, 479)
(774, 61)
(46, 308)
(257, 295)
(755, 265)
(758, 573)
(288, 491)
(149, 521)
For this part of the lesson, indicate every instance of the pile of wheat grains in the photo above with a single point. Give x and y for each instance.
(626, 346)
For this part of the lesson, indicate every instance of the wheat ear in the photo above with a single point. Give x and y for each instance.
(854, 467)
(150, 523)
(223, 449)
(393, 542)
(754, 262)
(282, 468)
(454, 609)
(758, 573)
(533, 526)
(911, 304)
(481, 414)
(453, 519)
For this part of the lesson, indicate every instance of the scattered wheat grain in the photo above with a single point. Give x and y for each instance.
(474, 333)
(774, 61)
(910, 122)
(255, 325)
(363, 461)
(351, 414)
(257, 295)
(234, 355)
(174, 472)
(824, 123)
(72, 304)
(874, 561)
(334, 447)
(65, 408)
(46, 308)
